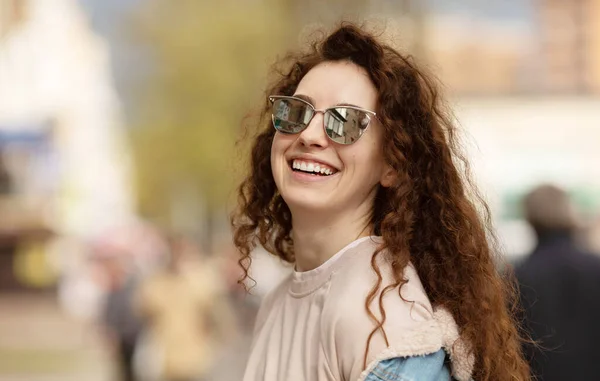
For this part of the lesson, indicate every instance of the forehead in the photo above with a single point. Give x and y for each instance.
(335, 82)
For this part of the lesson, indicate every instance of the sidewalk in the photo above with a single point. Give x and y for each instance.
(38, 342)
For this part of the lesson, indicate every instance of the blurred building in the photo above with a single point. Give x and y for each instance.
(569, 45)
(61, 137)
(475, 56)
(552, 48)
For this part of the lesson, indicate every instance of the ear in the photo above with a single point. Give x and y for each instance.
(388, 177)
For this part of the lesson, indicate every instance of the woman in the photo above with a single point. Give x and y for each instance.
(355, 180)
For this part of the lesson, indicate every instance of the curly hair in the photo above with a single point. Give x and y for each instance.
(432, 216)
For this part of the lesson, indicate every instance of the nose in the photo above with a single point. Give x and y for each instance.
(314, 134)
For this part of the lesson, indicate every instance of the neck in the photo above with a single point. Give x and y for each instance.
(317, 238)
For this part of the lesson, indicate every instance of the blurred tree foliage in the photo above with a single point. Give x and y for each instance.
(208, 61)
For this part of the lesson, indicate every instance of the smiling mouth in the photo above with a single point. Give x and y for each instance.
(312, 168)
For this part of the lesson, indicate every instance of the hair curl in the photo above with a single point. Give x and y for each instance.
(429, 217)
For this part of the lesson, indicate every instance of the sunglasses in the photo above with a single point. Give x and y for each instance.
(342, 124)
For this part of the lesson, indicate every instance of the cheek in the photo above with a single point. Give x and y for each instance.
(281, 142)
(375, 151)
(280, 145)
(368, 156)
(277, 147)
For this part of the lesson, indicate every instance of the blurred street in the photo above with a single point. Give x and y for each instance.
(38, 342)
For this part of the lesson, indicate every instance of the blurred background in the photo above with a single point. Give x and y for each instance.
(118, 123)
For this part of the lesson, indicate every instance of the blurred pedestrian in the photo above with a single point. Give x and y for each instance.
(560, 291)
(5, 177)
(354, 180)
(120, 320)
(186, 314)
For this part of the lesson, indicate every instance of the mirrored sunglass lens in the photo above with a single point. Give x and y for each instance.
(345, 125)
(290, 116)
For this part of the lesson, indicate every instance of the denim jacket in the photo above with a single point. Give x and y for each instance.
(431, 367)
(401, 362)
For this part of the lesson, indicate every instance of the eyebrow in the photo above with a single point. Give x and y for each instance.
(312, 101)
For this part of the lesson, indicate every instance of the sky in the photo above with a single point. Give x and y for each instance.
(512, 10)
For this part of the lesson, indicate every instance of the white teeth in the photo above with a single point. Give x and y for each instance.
(311, 167)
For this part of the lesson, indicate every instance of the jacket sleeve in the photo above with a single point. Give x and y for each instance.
(431, 367)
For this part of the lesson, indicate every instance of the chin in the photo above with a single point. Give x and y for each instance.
(306, 202)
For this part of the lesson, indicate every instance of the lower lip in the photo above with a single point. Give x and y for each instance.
(305, 177)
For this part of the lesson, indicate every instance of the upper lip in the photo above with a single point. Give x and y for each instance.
(310, 158)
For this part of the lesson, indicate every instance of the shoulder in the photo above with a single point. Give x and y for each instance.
(408, 329)
(405, 309)
(591, 260)
(270, 300)
(357, 275)
(411, 326)
(352, 284)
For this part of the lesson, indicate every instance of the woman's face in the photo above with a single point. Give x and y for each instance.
(356, 169)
